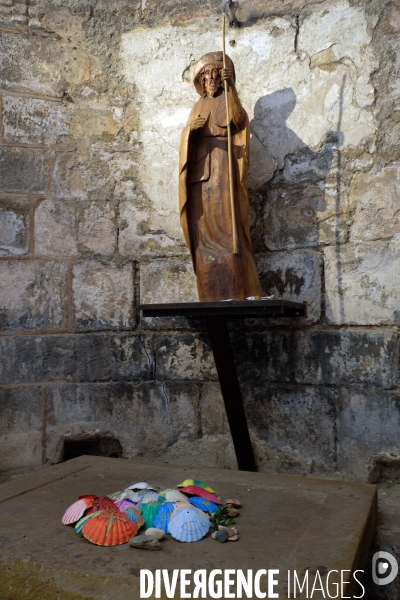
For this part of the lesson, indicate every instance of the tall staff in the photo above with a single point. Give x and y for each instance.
(230, 168)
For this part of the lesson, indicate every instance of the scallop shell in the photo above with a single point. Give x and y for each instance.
(109, 528)
(196, 482)
(163, 516)
(188, 525)
(76, 511)
(115, 495)
(82, 521)
(195, 490)
(102, 503)
(142, 485)
(135, 515)
(149, 512)
(203, 504)
(150, 496)
(125, 503)
(175, 496)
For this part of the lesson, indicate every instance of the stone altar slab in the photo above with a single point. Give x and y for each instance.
(286, 523)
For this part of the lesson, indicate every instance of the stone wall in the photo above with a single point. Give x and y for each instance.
(93, 95)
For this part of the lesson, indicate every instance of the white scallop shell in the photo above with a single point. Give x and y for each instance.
(175, 496)
(141, 485)
(187, 525)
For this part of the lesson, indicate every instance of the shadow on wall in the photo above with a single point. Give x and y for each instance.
(296, 191)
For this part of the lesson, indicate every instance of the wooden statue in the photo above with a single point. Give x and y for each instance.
(213, 193)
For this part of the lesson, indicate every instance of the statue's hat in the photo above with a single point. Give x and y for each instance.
(214, 58)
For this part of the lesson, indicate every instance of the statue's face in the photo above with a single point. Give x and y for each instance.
(212, 80)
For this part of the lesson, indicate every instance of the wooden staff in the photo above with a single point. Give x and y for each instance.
(230, 168)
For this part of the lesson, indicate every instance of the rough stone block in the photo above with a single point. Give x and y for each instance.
(22, 169)
(366, 357)
(213, 415)
(33, 295)
(295, 424)
(97, 229)
(138, 238)
(374, 200)
(32, 120)
(55, 228)
(368, 428)
(263, 356)
(164, 281)
(132, 357)
(31, 359)
(14, 227)
(362, 283)
(103, 296)
(184, 356)
(293, 276)
(20, 428)
(138, 414)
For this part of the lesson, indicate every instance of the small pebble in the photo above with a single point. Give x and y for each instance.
(145, 542)
(159, 534)
(221, 536)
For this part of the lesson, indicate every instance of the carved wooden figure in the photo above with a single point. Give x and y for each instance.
(222, 270)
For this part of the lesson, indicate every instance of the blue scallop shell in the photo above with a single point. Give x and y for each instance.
(163, 516)
(188, 525)
(203, 504)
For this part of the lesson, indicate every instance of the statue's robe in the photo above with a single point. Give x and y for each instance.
(205, 208)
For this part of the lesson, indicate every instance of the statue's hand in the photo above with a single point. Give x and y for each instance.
(198, 123)
(227, 75)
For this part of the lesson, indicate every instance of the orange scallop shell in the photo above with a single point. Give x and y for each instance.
(109, 528)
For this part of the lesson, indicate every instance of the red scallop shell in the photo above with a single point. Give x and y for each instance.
(102, 503)
(109, 528)
(194, 490)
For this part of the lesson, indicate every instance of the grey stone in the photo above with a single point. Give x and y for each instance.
(27, 359)
(293, 276)
(221, 536)
(137, 414)
(132, 357)
(14, 227)
(103, 296)
(357, 356)
(164, 281)
(33, 120)
(145, 542)
(369, 273)
(20, 428)
(373, 199)
(97, 229)
(368, 426)
(294, 426)
(184, 356)
(25, 170)
(33, 295)
(55, 228)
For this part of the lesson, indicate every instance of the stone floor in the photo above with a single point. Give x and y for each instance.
(286, 523)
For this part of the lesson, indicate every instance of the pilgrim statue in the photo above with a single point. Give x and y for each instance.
(213, 192)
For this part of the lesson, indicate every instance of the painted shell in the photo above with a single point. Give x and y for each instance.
(76, 511)
(203, 504)
(142, 485)
(150, 496)
(115, 495)
(109, 528)
(163, 516)
(149, 512)
(175, 496)
(188, 525)
(194, 490)
(196, 482)
(135, 515)
(124, 504)
(102, 503)
(81, 522)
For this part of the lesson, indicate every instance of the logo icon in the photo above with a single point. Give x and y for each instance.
(384, 568)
